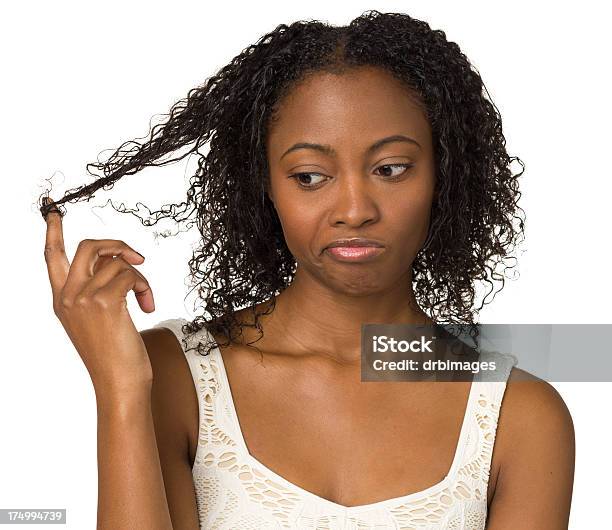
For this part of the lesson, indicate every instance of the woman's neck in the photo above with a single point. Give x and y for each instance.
(308, 318)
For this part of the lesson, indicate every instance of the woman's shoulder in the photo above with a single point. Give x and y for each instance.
(534, 451)
(532, 404)
(174, 400)
(171, 372)
(535, 432)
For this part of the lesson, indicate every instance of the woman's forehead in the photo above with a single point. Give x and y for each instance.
(360, 104)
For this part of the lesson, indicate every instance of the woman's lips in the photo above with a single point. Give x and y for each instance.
(353, 254)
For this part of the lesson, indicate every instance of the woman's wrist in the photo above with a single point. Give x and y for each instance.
(124, 400)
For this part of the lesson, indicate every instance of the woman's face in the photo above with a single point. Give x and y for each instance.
(353, 184)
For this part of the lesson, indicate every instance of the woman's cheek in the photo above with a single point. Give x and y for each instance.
(299, 228)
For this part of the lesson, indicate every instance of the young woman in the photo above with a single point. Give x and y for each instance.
(354, 175)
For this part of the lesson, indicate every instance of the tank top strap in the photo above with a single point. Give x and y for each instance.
(487, 397)
(215, 419)
(504, 362)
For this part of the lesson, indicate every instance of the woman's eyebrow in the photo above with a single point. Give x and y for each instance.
(328, 150)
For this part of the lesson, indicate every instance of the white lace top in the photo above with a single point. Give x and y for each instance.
(234, 491)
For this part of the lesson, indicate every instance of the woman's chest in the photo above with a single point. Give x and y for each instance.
(350, 442)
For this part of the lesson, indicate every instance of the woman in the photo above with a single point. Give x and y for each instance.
(318, 135)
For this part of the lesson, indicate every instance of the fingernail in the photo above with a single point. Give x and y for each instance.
(46, 201)
(139, 254)
(55, 209)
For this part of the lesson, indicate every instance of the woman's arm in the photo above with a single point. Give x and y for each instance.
(130, 486)
(175, 416)
(89, 299)
(143, 446)
(535, 482)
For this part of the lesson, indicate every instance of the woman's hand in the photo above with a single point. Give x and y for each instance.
(89, 298)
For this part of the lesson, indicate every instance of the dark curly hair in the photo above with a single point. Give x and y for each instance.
(243, 258)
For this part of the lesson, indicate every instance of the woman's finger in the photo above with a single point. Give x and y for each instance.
(117, 289)
(102, 262)
(88, 253)
(107, 276)
(58, 265)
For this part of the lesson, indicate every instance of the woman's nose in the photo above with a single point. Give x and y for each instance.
(353, 202)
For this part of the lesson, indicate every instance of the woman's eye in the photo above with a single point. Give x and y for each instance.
(307, 176)
(388, 170)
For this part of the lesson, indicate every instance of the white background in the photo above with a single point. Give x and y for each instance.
(83, 77)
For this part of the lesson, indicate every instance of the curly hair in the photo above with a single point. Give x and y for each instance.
(243, 258)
